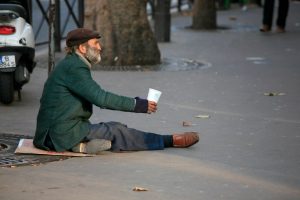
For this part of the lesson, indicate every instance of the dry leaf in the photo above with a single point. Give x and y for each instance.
(139, 189)
(185, 123)
(274, 94)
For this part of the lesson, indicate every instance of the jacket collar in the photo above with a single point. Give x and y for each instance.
(84, 59)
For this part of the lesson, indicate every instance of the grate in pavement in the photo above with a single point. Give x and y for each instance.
(8, 145)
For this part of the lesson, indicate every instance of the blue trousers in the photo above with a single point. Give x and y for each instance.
(124, 138)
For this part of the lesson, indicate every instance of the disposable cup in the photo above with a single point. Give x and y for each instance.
(153, 95)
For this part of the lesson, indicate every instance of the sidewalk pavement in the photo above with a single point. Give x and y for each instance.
(249, 146)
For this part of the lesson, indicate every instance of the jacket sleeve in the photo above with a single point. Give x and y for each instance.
(141, 105)
(80, 82)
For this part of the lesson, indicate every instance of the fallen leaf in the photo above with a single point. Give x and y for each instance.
(203, 116)
(139, 189)
(185, 123)
(274, 94)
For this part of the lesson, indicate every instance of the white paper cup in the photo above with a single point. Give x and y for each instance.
(153, 95)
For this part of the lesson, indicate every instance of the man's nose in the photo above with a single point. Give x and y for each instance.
(99, 48)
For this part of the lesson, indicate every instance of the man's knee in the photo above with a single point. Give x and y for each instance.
(117, 125)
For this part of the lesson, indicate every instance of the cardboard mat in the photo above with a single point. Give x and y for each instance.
(26, 147)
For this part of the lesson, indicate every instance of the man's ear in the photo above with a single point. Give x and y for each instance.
(82, 48)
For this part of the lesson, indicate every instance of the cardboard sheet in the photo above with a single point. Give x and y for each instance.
(26, 147)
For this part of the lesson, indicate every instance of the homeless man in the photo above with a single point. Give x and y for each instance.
(66, 106)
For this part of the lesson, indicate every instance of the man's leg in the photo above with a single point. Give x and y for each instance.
(125, 139)
(282, 13)
(268, 15)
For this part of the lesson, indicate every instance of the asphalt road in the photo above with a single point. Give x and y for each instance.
(250, 144)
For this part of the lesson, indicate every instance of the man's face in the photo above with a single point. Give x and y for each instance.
(93, 50)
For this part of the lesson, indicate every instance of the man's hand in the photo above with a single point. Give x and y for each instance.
(152, 107)
(145, 106)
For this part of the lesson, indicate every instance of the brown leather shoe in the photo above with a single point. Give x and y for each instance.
(185, 139)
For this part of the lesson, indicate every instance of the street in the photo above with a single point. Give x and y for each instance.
(249, 144)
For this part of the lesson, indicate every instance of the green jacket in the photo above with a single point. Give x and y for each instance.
(66, 104)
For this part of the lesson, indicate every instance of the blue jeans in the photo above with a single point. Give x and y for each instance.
(124, 138)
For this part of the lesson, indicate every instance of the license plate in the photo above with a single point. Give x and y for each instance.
(7, 61)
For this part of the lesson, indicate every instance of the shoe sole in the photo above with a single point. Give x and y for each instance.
(93, 147)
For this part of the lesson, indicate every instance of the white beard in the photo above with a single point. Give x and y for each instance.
(93, 55)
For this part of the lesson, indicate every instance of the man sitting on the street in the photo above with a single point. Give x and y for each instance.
(68, 98)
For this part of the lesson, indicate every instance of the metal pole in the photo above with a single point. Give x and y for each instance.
(51, 49)
(57, 26)
(30, 10)
(162, 21)
(81, 12)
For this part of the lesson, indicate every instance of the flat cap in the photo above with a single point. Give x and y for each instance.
(80, 35)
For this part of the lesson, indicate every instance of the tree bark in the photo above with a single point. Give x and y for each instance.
(127, 38)
(204, 14)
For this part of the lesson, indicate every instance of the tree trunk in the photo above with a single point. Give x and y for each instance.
(204, 14)
(127, 38)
